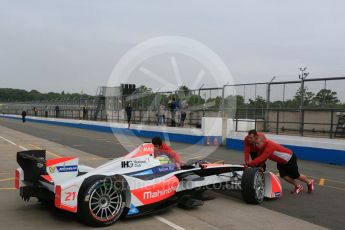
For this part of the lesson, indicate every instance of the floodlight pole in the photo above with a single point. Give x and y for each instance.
(302, 77)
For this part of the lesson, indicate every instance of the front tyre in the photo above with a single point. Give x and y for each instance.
(253, 185)
(101, 201)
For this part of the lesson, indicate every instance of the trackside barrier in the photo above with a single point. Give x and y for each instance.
(191, 136)
(323, 150)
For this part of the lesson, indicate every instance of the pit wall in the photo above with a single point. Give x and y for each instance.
(209, 135)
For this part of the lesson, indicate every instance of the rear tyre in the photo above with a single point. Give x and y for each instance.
(253, 185)
(101, 201)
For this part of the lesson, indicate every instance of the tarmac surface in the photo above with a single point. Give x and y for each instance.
(322, 209)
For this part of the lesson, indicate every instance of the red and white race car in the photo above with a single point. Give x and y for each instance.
(135, 184)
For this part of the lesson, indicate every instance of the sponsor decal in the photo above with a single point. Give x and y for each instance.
(68, 168)
(143, 173)
(52, 169)
(167, 168)
(133, 163)
(148, 149)
(87, 198)
(157, 192)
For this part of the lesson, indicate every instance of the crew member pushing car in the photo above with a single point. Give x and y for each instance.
(162, 148)
(286, 163)
(250, 148)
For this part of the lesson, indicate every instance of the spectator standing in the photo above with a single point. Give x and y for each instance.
(84, 112)
(46, 111)
(183, 110)
(57, 111)
(129, 114)
(35, 111)
(24, 116)
(161, 114)
(173, 107)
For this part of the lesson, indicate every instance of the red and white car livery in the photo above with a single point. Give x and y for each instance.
(135, 184)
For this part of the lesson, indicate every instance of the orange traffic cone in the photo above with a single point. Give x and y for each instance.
(207, 140)
(215, 141)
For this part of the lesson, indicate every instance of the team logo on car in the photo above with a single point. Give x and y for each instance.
(52, 169)
(134, 163)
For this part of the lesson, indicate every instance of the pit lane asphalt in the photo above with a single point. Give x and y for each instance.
(325, 207)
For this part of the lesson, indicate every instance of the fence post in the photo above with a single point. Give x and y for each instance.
(331, 128)
(223, 102)
(277, 126)
(302, 122)
(236, 117)
(268, 95)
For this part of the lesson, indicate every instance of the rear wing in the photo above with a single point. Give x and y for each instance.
(36, 167)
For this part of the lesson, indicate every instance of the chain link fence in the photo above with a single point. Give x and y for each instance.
(310, 107)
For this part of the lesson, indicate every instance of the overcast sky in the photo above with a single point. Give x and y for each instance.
(73, 45)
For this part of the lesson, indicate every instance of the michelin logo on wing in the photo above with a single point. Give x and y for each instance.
(69, 168)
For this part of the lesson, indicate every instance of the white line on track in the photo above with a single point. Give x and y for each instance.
(11, 142)
(22, 147)
(169, 223)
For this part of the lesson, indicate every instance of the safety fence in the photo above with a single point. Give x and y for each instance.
(311, 107)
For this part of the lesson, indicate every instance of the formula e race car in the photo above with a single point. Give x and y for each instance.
(136, 184)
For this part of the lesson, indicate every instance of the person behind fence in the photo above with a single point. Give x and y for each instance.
(57, 111)
(23, 116)
(84, 112)
(161, 114)
(35, 111)
(129, 114)
(173, 106)
(183, 111)
(286, 163)
(46, 111)
(250, 148)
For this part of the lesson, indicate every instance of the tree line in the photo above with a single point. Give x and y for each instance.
(144, 97)
(20, 95)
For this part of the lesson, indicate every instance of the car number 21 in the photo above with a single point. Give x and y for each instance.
(70, 196)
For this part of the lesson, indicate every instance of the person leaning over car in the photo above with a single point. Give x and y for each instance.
(250, 148)
(161, 148)
(286, 163)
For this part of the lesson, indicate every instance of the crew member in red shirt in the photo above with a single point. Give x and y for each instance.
(162, 148)
(250, 148)
(286, 163)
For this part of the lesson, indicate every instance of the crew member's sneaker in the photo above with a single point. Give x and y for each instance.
(311, 186)
(298, 189)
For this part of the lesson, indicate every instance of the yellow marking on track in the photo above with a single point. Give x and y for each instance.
(342, 189)
(322, 182)
(7, 188)
(6, 179)
(219, 162)
(51, 153)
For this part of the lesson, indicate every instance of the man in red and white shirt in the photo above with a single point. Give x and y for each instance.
(161, 148)
(250, 148)
(286, 162)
